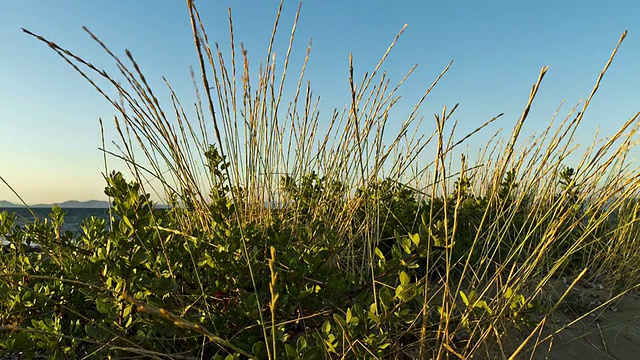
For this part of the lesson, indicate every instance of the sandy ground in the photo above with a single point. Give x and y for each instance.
(611, 331)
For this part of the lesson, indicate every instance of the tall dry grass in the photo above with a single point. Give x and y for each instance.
(525, 238)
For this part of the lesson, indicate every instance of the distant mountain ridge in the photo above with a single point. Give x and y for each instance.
(91, 204)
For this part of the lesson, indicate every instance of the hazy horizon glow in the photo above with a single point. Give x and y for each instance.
(49, 132)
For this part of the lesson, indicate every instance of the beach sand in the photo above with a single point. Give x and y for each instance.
(610, 331)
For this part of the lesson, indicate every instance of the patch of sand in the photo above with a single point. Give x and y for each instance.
(610, 331)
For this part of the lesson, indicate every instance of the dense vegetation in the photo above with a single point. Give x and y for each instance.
(274, 247)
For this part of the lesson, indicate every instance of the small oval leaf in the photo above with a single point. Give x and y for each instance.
(404, 279)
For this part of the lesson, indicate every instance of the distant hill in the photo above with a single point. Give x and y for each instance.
(6, 204)
(91, 204)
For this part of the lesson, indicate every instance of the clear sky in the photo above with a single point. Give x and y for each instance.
(49, 132)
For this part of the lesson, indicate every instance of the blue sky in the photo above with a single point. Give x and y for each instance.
(49, 133)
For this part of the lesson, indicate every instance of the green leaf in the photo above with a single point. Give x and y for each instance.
(465, 300)
(92, 331)
(396, 253)
(103, 305)
(337, 318)
(127, 310)
(140, 256)
(259, 349)
(127, 221)
(326, 327)
(404, 294)
(404, 279)
(291, 351)
(473, 296)
(129, 321)
(508, 293)
(483, 304)
(301, 344)
(386, 297)
(415, 238)
(372, 313)
(406, 245)
(379, 254)
(313, 353)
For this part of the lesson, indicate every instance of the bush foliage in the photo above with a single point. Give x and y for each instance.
(281, 288)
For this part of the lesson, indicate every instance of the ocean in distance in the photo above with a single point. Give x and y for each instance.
(72, 219)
